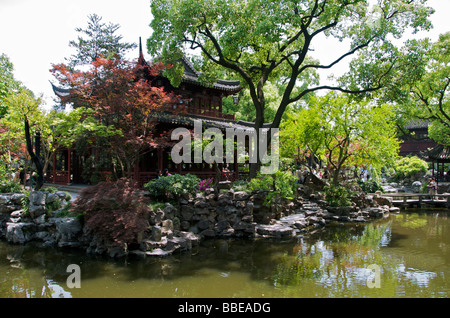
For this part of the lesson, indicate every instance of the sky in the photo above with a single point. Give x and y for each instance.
(35, 33)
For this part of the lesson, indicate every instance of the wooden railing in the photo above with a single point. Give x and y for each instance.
(60, 177)
(419, 199)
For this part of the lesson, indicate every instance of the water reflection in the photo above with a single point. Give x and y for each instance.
(411, 250)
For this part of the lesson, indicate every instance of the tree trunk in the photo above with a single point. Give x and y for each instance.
(35, 156)
(217, 179)
(256, 166)
(336, 173)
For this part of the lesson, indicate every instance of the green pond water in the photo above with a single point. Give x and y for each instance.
(406, 255)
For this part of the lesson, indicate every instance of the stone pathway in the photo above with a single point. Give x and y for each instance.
(311, 216)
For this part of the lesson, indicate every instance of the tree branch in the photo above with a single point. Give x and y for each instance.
(441, 98)
(337, 60)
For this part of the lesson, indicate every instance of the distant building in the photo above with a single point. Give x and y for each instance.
(416, 141)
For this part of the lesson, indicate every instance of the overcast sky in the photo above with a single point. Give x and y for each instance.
(36, 33)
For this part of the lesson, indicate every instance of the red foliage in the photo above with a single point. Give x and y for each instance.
(116, 212)
(121, 96)
(117, 92)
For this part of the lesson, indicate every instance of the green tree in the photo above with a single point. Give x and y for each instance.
(10, 132)
(422, 89)
(261, 41)
(410, 167)
(24, 108)
(346, 133)
(302, 136)
(8, 85)
(60, 130)
(97, 39)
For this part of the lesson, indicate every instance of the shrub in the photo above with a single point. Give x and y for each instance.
(338, 195)
(116, 212)
(205, 184)
(370, 186)
(26, 202)
(408, 167)
(173, 186)
(240, 185)
(10, 186)
(65, 211)
(49, 189)
(53, 206)
(261, 183)
(280, 185)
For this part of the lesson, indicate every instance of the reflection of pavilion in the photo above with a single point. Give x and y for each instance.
(198, 102)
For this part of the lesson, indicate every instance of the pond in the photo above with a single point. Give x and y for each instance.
(405, 255)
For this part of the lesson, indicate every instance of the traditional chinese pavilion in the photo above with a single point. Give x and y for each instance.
(199, 102)
(416, 141)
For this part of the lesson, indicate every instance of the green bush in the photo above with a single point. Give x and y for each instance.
(280, 185)
(53, 206)
(337, 195)
(370, 186)
(26, 203)
(49, 189)
(261, 183)
(408, 167)
(240, 185)
(173, 186)
(65, 211)
(10, 186)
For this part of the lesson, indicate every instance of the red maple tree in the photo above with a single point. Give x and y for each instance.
(121, 95)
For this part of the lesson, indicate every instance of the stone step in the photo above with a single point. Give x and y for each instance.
(277, 230)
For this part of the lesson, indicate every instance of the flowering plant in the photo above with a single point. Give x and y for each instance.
(205, 184)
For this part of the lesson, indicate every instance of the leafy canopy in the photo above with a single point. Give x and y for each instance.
(422, 88)
(343, 131)
(8, 85)
(264, 41)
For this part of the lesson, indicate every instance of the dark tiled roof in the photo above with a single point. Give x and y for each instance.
(222, 124)
(437, 153)
(417, 124)
(60, 92)
(191, 75)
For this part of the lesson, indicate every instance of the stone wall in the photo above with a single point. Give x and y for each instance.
(39, 223)
(179, 228)
(240, 214)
